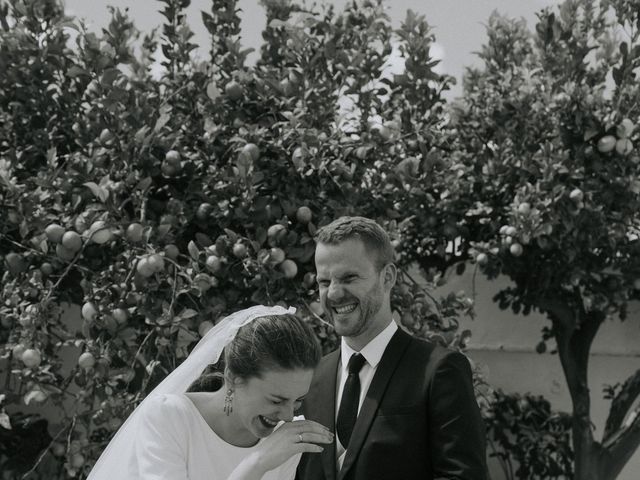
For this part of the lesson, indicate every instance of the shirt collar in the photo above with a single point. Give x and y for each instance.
(372, 351)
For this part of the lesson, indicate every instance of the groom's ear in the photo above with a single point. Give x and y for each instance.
(390, 273)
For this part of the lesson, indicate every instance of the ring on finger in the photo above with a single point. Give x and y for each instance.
(300, 439)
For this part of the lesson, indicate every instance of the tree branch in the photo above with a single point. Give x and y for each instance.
(618, 453)
(621, 404)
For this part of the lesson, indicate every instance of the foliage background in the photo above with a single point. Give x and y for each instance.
(160, 204)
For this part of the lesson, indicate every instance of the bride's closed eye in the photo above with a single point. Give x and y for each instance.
(296, 405)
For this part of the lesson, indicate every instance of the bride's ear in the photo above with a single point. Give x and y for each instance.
(230, 380)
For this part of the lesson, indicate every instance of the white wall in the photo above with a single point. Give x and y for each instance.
(504, 343)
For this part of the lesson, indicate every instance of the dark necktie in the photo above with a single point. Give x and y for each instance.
(348, 411)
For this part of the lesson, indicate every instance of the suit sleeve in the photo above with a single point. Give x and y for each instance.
(457, 435)
(160, 443)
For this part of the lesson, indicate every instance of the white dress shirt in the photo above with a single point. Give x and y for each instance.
(372, 353)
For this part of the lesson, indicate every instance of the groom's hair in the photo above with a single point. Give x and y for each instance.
(272, 342)
(374, 237)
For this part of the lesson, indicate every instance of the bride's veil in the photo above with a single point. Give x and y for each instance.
(118, 459)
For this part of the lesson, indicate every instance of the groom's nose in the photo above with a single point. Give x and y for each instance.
(334, 291)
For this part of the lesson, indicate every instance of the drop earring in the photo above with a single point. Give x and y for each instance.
(228, 402)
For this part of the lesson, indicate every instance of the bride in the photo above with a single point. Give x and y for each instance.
(245, 430)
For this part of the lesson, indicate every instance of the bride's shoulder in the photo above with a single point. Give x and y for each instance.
(168, 404)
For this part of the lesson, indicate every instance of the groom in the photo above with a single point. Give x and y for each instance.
(402, 408)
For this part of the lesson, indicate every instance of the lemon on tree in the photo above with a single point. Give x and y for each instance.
(240, 250)
(72, 241)
(289, 268)
(144, 268)
(275, 233)
(276, 255)
(86, 361)
(120, 315)
(100, 233)
(89, 311)
(15, 263)
(54, 232)
(134, 232)
(251, 151)
(172, 163)
(576, 195)
(213, 263)
(171, 251)
(156, 262)
(31, 358)
(606, 144)
(482, 258)
(304, 214)
(233, 90)
(204, 327)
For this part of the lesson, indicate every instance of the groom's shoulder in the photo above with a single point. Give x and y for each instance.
(428, 350)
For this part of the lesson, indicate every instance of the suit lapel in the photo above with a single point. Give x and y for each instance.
(388, 363)
(324, 407)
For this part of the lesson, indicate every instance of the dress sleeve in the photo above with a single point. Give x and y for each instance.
(287, 471)
(161, 442)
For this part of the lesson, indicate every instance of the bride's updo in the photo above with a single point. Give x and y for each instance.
(271, 342)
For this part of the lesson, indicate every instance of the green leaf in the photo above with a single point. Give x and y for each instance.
(52, 156)
(76, 71)
(212, 91)
(30, 396)
(161, 122)
(109, 76)
(590, 133)
(275, 23)
(141, 134)
(188, 313)
(203, 240)
(5, 421)
(624, 50)
(193, 250)
(144, 183)
(99, 192)
(617, 76)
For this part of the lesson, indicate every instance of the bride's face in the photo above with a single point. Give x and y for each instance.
(261, 403)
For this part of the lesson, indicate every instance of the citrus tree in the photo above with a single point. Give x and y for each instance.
(158, 204)
(546, 153)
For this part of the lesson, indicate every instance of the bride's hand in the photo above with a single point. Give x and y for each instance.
(289, 439)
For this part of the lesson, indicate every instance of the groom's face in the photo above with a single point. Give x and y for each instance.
(351, 290)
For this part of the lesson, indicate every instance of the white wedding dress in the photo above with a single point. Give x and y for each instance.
(166, 438)
(174, 442)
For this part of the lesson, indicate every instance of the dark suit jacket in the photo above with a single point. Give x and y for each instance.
(419, 419)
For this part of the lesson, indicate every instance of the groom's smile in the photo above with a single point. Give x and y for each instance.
(345, 309)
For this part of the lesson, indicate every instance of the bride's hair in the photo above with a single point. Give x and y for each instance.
(270, 342)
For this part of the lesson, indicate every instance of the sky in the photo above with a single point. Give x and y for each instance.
(458, 25)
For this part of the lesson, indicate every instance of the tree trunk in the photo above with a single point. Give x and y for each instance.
(575, 330)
